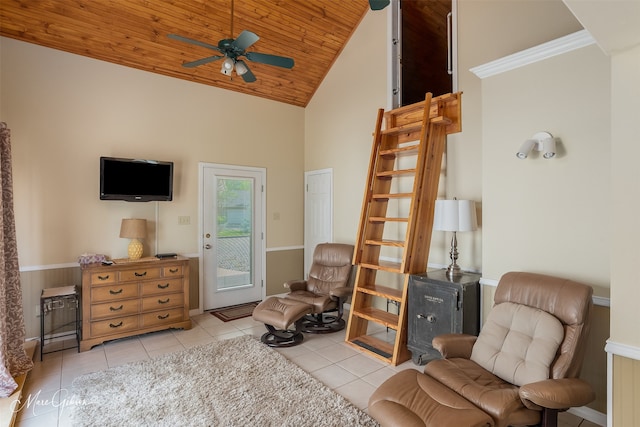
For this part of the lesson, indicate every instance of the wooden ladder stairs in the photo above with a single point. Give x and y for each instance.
(396, 222)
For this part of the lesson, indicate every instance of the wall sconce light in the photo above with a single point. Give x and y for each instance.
(541, 141)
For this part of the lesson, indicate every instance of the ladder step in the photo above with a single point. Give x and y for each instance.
(387, 219)
(392, 196)
(391, 267)
(403, 129)
(376, 315)
(392, 153)
(378, 347)
(391, 174)
(386, 242)
(381, 291)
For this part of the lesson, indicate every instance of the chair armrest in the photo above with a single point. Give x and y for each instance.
(557, 393)
(454, 345)
(341, 292)
(296, 285)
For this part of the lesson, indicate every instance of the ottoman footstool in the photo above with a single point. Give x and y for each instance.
(412, 399)
(277, 314)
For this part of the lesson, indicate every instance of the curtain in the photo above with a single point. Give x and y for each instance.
(13, 359)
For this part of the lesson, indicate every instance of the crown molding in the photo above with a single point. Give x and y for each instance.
(538, 53)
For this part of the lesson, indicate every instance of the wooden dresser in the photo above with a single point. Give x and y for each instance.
(127, 299)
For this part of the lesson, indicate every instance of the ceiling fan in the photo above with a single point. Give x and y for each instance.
(231, 50)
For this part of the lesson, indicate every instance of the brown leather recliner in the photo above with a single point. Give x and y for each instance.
(520, 371)
(326, 289)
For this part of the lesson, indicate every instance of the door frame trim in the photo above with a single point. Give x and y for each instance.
(262, 219)
(306, 242)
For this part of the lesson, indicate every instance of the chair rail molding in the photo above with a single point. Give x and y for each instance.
(534, 54)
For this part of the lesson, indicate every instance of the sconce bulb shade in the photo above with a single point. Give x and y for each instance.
(549, 148)
(525, 148)
(541, 141)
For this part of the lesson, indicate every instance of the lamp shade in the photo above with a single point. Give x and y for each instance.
(455, 215)
(133, 228)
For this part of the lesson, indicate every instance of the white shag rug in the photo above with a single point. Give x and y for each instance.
(236, 382)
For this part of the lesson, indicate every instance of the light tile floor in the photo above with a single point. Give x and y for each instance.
(342, 368)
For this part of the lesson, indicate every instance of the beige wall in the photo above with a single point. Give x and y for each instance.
(340, 119)
(65, 111)
(541, 215)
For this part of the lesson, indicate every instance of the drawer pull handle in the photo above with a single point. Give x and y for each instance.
(173, 271)
(163, 286)
(163, 316)
(117, 308)
(112, 292)
(164, 302)
(111, 325)
(430, 318)
(103, 277)
(140, 274)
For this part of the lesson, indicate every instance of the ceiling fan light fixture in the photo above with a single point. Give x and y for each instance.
(241, 68)
(227, 66)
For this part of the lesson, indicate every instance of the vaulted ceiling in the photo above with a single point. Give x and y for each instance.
(134, 33)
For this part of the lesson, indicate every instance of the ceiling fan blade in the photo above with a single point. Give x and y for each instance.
(378, 4)
(192, 41)
(248, 75)
(245, 39)
(265, 58)
(202, 61)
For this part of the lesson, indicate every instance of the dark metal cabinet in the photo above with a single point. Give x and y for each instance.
(438, 305)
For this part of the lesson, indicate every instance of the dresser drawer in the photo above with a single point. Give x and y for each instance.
(162, 301)
(161, 317)
(114, 326)
(115, 308)
(114, 292)
(104, 277)
(140, 274)
(162, 286)
(172, 271)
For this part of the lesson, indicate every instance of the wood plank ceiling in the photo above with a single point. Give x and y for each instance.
(134, 33)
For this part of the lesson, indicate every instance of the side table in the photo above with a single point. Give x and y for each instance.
(53, 299)
(438, 305)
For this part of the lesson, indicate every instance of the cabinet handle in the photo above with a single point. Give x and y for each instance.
(163, 286)
(164, 302)
(103, 277)
(112, 292)
(116, 308)
(163, 316)
(429, 318)
(173, 271)
(140, 274)
(111, 325)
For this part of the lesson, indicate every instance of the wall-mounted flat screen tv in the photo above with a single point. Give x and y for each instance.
(135, 180)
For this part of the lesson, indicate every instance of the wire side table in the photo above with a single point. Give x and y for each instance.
(53, 299)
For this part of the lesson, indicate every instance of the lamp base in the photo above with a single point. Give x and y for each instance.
(454, 271)
(135, 249)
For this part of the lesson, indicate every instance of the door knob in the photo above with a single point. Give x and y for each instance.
(207, 246)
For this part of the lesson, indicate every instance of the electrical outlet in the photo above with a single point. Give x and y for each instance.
(184, 220)
(37, 310)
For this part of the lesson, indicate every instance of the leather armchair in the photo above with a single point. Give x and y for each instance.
(521, 370)
(326, 289)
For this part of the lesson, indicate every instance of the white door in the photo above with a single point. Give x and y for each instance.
(318, 212)
(233, 253)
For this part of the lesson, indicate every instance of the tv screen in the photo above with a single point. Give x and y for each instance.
(135, 180)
